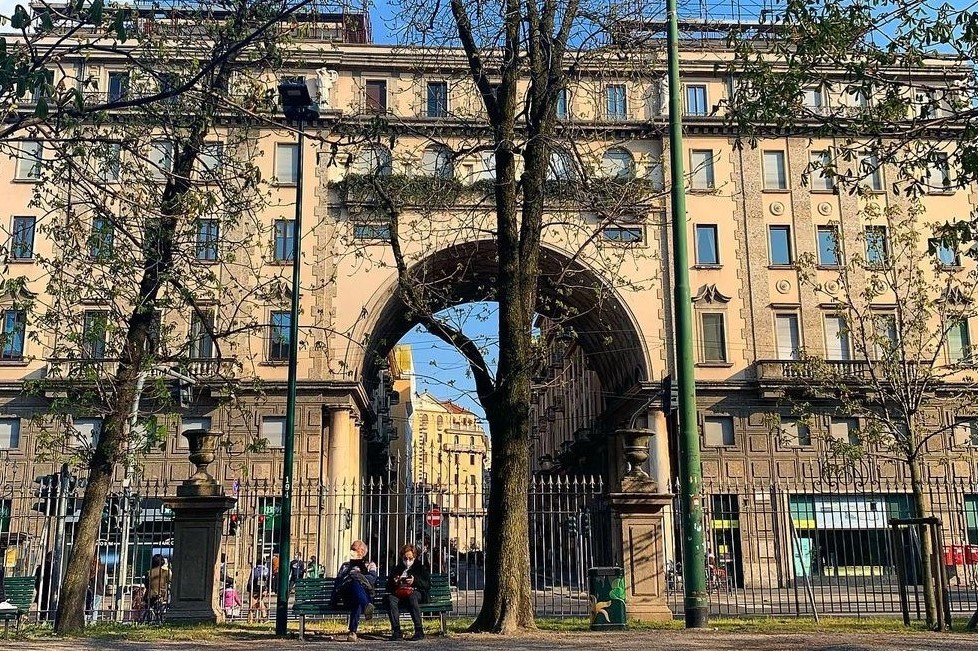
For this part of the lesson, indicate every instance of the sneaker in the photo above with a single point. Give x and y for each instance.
(351, 637)
(368, 612)
(396, 634)
(418, 635)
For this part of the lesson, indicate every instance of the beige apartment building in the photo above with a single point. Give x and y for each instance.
(751, 213)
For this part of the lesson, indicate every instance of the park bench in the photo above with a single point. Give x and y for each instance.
(19, 591)
(312, 600)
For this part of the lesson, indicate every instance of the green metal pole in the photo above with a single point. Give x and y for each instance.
(285, 523)
(696, 600)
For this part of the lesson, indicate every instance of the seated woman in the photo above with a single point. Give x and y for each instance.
(408, 585)
(355, 585)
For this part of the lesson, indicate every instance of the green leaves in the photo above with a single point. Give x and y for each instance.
(20, 18)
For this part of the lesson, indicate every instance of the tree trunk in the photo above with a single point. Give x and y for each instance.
(921, 502)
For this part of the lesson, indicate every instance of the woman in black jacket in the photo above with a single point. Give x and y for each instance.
(408, 586)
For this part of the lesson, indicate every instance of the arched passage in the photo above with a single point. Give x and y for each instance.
(568, 292)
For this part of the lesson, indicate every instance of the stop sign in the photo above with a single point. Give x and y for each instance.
(433, 517)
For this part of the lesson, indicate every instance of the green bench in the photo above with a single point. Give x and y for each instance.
(312, 600)
(18, 590)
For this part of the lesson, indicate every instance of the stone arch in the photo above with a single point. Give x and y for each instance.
(603, 323)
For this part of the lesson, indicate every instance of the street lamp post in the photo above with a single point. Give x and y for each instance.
(296, 103)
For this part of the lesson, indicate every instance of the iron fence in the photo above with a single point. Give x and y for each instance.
(804, 547)
(568, 525)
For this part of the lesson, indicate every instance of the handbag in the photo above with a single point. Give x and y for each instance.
(403, 591)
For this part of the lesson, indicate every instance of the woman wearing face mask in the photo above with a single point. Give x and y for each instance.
(408, 586)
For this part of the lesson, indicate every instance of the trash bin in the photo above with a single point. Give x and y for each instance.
(606, 592)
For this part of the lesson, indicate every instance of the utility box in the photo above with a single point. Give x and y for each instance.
(606, 590)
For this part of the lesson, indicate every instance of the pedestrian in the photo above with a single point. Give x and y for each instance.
(42, 586)
(314, 570)
(297, 570)
(354, 586)
(96, 589)
(275, 569)
(258, 591)
(231, 600)
(158, 586)
(408, 586)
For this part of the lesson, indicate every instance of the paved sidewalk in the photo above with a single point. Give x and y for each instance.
(629, 641)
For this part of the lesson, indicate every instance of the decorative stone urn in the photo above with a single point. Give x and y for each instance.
(198, 520)
(636, 451)
(203, 446)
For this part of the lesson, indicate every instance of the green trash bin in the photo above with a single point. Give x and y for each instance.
(606, 592)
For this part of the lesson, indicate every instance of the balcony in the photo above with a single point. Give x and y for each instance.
(782, 371)
(86, 369)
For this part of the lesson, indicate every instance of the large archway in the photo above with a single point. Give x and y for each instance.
(578, 297)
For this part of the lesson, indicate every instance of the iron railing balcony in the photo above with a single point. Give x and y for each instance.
(82, 368)
(787, 371)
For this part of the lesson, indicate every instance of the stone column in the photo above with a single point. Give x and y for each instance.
(198, 520)
(342, 469)
(639, 508)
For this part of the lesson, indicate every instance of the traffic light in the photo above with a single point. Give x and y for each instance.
(183, 394)
(586, 523)
(47, 488)
(233, 521)
(572, 525)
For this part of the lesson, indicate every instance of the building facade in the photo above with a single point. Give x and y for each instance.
(752, 212)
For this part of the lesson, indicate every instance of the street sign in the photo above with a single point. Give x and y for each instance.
(433, 517)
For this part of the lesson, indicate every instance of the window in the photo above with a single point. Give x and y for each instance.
(436, 161)
(284, 240)
(9, 433)
(273, 431)
(947, 256)
(886, 338)
(210, 157)
(779, 241)
(718, 431)
(696, 99)
(561, 166)
(208, 234)
(877, 253)
(22, 240)
(160, 159)
(94, 329)
(286, 163)
(623, 234)
(836, 338)
(924, 102)
(14, 329)
(965, 432)
(615, 102)
(939, 173)
(845, 429)
(84, 432)
(437, 106)
(190, 423)
(787, 334)
(707, 247)
(959, 341)
(775, 173)
(118, 86)
(870, 170)
(796, 433)
(822, 178)
(376, 95)
(714, 343)
(100, 241)
(811, 98)
(29, 160)
(280, 333)
(201, 330)
(828, 246)
(372, 231)
(112, 163)
(617, 163)
(701, 169)
(375, 159)
(563, 105)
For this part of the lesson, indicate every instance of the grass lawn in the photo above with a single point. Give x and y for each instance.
(379, 626)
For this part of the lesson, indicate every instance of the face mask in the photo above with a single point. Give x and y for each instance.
(409, 563)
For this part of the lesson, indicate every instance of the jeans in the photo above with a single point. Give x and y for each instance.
(413, 603)
(357, 597)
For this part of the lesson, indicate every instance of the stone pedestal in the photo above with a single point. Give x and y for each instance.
(640, 514)
(639, 508)
(198, 521)
(197, 527)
